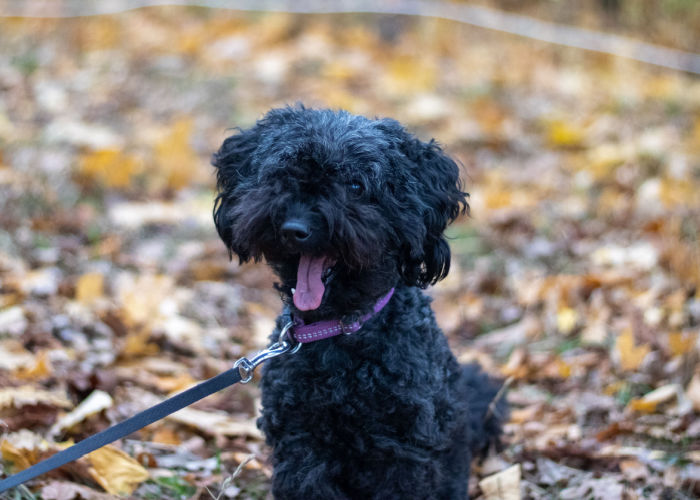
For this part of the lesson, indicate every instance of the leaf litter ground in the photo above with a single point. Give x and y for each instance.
(576, 278)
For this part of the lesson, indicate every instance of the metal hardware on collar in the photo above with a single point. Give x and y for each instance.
(246, 366)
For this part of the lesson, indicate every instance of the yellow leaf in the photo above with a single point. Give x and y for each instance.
(630, 355)
(498, 198)
(109, 167)
(642, 406)
(115, 471)
(407, 75)
(175, 159)
(603, 160)
(681, 343)
(20, 458)
(339, 98)
(563, 368)
(89, 287)
(564, 135)
(137, 344)
(566, 320)
(614, 388)
(141, 298)
(338, 71)
(41, 369)
(100, 33)
(651, 400)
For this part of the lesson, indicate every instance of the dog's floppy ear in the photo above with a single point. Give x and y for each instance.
(440, 200)
(233, 165)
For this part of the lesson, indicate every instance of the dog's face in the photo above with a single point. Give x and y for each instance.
(341, 207)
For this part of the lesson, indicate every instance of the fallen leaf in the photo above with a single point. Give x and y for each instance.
(13, 356)
(23, 448)
(642, 406)
(137, 343)
(61, 490)
(634, 470)
(175, 383)
(409, 75)
(175, 159)
(693, 392)
(16, 397)
(89, 287)
(517, 365)
(681, 343)
(13, 322)
(567, 318)
(504, 485)
(109, 167)
(94, 403)
(40, 369)
(142, 297)
(562, 134)
(630, 356)
(21, 458)
(166, 435)
(652, 400)
(216, 423)
(115, 471)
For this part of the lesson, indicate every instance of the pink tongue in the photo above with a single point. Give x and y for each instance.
(309, 289)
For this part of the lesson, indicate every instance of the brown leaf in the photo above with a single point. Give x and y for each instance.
(60, 490)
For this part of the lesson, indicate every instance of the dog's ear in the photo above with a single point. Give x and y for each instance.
(438, 197)
(233, 165)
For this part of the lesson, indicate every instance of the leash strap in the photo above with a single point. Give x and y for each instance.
(131, 424)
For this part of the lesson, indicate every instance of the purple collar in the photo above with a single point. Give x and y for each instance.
(325, 329)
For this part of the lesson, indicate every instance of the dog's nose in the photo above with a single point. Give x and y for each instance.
(296, 230)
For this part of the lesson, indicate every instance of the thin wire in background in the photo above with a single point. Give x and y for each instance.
(483, 17)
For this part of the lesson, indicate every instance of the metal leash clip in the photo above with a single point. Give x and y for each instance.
(284, 344)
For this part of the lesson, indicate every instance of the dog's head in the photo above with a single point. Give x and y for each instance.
(342, 207)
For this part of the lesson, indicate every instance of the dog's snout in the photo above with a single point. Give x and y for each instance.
(296, 230)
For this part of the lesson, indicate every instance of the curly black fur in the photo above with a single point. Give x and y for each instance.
(386, 412)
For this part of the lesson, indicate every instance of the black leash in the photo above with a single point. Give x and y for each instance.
(242, 371)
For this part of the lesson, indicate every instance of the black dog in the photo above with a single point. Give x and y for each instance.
(350, 212)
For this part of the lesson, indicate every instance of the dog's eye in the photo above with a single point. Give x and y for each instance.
(356, 188)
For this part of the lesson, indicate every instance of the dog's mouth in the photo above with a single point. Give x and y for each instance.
(312, 276)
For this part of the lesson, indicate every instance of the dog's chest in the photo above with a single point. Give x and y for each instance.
(354, 391)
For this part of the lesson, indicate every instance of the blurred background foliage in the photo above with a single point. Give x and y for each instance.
(577, 275)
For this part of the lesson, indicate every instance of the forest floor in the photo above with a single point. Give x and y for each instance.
(576, 277)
